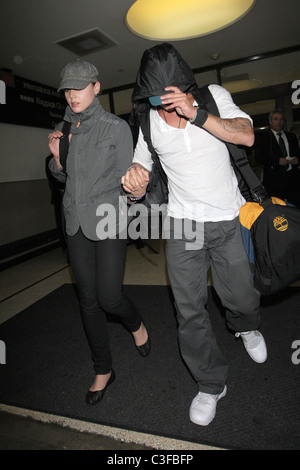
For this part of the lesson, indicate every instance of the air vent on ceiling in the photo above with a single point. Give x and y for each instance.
(86, 42)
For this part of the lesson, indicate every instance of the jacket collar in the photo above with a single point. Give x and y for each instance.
(84, 118)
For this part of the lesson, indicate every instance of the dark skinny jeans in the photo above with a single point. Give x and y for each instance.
(98, 268)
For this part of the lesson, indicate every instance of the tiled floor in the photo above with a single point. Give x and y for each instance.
(24, 284)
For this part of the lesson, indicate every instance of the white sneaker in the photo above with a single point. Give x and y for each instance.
(203, 407)
(254, 344)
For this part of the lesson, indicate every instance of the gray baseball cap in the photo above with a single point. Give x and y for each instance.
(78, 75)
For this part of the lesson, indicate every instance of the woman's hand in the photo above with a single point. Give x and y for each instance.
(135, 181)
(54, 138)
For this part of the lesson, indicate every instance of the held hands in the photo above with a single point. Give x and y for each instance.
(288, 160)
(294, 161)
(135, 181)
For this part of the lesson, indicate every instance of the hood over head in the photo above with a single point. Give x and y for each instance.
(162, 66)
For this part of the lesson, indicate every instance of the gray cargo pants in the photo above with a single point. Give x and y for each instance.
(224, 252)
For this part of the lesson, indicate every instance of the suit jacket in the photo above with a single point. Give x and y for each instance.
(267, 151)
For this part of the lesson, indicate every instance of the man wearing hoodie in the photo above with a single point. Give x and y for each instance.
(203, 188)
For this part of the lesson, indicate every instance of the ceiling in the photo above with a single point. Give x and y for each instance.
(29, 32)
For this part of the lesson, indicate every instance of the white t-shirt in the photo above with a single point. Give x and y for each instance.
(202, 183)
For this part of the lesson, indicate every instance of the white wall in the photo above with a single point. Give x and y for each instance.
(22, 153)
(25, 196)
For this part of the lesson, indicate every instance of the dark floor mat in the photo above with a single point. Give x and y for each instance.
(48, 368)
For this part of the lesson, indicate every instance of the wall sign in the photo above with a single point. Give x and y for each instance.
(30, 103)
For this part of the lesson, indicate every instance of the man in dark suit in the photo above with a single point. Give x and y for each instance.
(279, 153)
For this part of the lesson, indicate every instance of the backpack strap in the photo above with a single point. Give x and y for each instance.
(157, 170)
(238, 155)
(64, 144)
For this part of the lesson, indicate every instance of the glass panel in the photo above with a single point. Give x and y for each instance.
(259, 112)
(262, 73)
(258, 107)
(206, 78)
(104, 100)
(296, 129)
(122, 101)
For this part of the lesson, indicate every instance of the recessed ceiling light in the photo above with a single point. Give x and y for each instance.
(18, 59)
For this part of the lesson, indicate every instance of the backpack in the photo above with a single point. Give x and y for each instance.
(270, 227)
(271, 235)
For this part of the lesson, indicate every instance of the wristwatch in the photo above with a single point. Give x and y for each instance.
(200, 117)
(193, 119)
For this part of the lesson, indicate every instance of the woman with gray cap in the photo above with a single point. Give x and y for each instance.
(100, 151)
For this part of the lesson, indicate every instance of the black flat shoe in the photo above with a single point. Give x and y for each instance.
(145, 349)
(92, 398)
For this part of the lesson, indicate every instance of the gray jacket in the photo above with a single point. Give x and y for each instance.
(100, 152)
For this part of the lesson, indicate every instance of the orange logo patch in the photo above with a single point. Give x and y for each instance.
(281, 224)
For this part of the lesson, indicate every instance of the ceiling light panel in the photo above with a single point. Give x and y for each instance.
(177, 19)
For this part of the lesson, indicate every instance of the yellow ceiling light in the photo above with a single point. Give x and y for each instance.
(171, 20)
